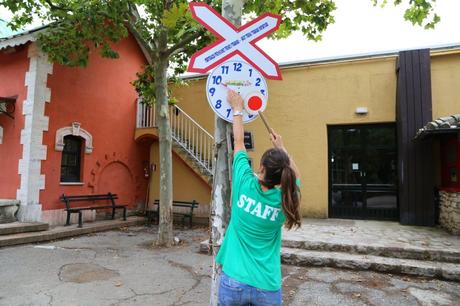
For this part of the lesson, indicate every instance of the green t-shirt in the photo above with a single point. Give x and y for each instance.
(250, 252)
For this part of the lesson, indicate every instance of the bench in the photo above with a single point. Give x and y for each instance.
(8, 209)
(91, 198)
(188, 214)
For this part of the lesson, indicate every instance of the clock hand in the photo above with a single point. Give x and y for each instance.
(228, 87)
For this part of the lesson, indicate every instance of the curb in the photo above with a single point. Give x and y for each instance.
(68, 231)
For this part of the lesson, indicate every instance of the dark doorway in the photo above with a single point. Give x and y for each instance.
(362, 172)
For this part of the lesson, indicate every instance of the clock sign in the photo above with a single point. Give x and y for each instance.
(242, 78)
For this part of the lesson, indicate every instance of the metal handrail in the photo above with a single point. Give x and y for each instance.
(193, 121)
(192, 137)
(186, 132)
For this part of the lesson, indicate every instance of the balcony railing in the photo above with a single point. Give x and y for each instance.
(146, 115)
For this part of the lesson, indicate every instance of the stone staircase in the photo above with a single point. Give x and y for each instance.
(427, 252)
(446, 270)
(386, 247)
(18, 228)
(22, 233)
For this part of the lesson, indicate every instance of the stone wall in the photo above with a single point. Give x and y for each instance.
(56, 217)
(449, 211)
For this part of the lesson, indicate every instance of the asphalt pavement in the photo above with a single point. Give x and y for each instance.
(123, 268)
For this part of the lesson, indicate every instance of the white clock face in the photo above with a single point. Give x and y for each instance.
(240, 77)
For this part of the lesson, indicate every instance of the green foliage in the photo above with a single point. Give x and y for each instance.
(166, 28)
(75, 26)
(308, 16)
(175, 15)
(145, 84)
(419, 12)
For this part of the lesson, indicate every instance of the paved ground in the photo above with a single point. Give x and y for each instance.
(328, 286)
(122, 268)
(109, 268)
(374, 233)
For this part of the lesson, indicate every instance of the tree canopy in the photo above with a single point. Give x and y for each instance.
(77, 25)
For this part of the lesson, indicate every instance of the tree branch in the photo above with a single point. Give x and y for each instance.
(56, 7)
(145, 46)
(186, 40)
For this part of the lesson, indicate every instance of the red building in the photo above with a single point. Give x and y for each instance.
(68, 130)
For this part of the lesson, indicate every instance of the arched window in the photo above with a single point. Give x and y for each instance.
(71, 159)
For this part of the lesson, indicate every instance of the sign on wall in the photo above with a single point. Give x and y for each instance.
(248, 140)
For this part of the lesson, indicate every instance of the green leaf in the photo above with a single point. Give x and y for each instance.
(172, 16)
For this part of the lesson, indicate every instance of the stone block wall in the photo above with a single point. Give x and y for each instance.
(55, 217)
(449, 211)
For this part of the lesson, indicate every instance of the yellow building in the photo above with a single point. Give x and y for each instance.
(338, 120)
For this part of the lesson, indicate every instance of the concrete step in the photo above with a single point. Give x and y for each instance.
(301, 257)
(18, 227)
(417, 253)
(60, 232)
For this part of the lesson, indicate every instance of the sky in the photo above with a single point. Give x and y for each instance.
(361, 28)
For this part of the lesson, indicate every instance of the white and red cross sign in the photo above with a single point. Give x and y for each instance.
(234, 41)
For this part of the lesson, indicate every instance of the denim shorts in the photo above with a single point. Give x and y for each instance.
(234, 293)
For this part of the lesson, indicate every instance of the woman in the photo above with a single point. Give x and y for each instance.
(250, 253)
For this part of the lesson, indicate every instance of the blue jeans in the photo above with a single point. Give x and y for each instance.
(234, 293)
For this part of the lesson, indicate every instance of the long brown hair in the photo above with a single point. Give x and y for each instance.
(278, 171)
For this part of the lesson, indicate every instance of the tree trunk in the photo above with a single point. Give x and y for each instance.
(221, 191)
(165, 228)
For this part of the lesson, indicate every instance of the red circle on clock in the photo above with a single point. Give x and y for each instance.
(255, 103)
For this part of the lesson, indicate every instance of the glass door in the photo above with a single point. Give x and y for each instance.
(362, 172)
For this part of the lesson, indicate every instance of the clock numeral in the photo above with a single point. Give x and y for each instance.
(224, 69)
(258, 80)
(229, 110)
(237, 66)
(218, 104)
(216, 79)
(250, 72)
(212, 91)
(262, 91)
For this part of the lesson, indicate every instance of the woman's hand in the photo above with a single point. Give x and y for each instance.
(235, 101)
(277, 140)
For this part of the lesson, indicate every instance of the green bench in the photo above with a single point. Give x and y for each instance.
(91, 198)
(184, 211)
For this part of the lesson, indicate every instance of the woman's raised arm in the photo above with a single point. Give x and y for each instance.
(236, 102)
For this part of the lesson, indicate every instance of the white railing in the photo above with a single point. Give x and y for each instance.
(186, 132)
(146, 115)
(192, 137)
